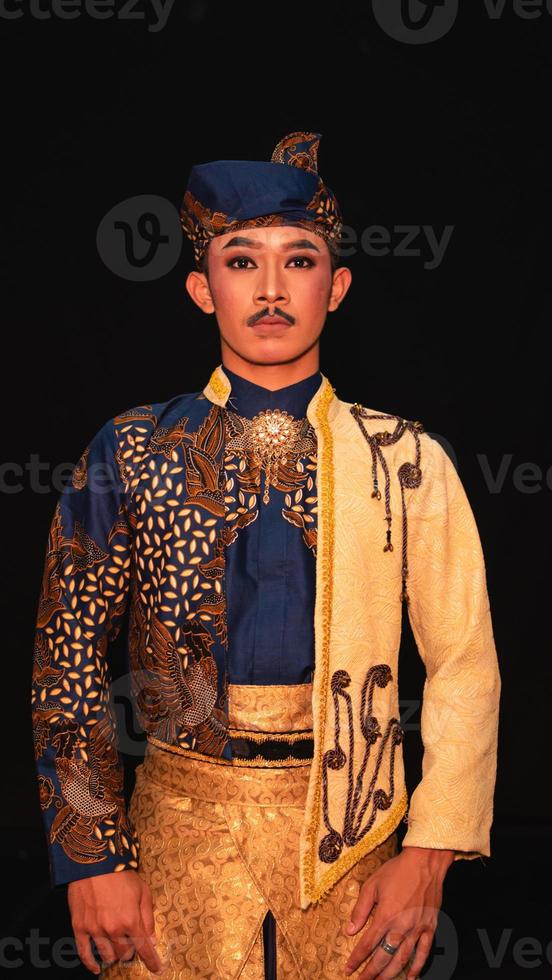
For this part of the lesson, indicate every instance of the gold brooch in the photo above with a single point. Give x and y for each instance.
(271, 435)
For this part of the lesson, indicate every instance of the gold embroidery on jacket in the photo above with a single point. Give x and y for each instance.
(331, 846)
(293, 475)
(272, 439)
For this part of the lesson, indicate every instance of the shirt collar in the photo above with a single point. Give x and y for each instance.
(248, 398)
(315, 395)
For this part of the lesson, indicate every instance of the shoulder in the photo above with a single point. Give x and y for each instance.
(159, 413)
(382, 427)
(130, 431)
(140, 421)
(398, 439)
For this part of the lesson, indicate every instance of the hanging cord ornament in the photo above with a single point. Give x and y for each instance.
(409, 474)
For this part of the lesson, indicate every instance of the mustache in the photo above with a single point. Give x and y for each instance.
(277, 312)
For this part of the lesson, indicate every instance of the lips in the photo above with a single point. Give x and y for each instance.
(273, 319)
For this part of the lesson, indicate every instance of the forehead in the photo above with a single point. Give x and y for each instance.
(270, 238)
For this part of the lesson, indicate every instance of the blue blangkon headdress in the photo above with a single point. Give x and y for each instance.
(227, 195)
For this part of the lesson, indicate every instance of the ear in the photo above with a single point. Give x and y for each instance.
(197, 285)
(342, 278)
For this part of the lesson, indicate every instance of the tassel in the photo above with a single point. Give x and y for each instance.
(409, 474)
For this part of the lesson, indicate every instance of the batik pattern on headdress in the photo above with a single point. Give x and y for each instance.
(228, 195)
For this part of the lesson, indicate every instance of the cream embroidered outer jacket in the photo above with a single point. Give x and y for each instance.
(394, 524)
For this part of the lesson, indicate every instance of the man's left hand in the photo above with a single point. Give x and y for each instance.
(407, 892)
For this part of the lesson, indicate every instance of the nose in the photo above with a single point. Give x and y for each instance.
(269, 289)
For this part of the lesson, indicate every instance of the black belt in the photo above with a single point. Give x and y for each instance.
(272, 746)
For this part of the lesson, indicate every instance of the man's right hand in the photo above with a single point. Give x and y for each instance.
(116, 911)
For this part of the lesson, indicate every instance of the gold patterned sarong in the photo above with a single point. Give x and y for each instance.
(219, 848)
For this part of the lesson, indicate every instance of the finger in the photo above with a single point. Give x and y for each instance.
(123, 946)
(106, 952)
(422, 952)
(362, 909)
(401, 958)
(84, 950)
(376, 928)
(147, 951)
(381, 963)
(369, 946)
(130, 954)
(146, 911)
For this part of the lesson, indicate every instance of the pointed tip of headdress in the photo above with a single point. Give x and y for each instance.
(298, 150)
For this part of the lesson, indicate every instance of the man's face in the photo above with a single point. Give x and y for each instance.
(255, 272)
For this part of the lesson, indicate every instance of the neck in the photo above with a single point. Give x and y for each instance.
(272, 376)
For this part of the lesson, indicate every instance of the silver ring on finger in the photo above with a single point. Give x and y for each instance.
(387, 947)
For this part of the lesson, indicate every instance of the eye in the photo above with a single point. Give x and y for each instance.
(239, 258)
(302, 258)
(245, 258)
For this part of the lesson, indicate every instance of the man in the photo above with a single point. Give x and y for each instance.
(243, 525)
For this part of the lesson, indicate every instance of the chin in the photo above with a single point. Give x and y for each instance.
(273, 354)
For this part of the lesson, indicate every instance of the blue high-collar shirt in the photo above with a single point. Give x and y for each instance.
(270, 577)
(270, 569)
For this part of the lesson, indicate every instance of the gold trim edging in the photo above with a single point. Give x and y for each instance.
(219, 387)
(270, 736)
(327, 517)
(216, 760)
(347, 861)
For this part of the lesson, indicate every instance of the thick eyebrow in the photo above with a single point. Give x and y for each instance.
(253, 243)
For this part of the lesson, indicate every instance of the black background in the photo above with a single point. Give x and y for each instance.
(453, 132)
